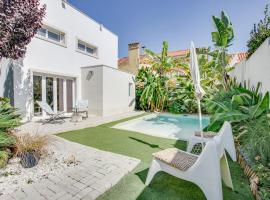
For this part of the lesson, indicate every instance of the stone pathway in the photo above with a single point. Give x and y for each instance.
(97, 172)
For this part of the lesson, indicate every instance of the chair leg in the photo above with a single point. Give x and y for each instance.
(212, 191)
(155, 167)
(225, 171)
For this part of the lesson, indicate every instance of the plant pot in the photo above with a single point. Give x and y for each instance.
(29, 159)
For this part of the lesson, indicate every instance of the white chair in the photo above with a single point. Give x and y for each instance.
(48, 110)
(227, 140)
(203, 170)
(82, 107)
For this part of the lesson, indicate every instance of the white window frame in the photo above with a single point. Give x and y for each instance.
(62, 34)
(87, 45)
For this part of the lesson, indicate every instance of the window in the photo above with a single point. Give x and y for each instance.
(87, 48)
(51, 35)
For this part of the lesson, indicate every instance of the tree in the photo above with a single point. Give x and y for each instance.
(222, 38)
(155, 91)
(260, 33)
(19, 22)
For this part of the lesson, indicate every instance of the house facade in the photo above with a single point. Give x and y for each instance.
(69, 46)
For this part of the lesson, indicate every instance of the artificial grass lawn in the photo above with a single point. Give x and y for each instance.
(142, 146)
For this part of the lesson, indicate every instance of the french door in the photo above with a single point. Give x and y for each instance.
(58, 92)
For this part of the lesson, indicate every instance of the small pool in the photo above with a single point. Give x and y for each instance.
(179, 127)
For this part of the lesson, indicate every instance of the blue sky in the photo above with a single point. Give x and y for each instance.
(178, 21)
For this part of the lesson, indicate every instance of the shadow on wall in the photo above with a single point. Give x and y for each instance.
(9, 83)
(23, 93)
(16, 84)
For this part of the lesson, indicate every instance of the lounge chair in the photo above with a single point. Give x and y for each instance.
(82, 107)
(53, 116)
(227, 139)
(203, 170)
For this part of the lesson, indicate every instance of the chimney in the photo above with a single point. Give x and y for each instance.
(134, 56)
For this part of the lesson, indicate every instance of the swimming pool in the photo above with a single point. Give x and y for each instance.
(179, 127)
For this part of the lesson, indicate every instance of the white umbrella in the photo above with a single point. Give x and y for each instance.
(195, 75)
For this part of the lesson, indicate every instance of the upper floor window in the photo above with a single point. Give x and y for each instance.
(51, 34)
(87, 48)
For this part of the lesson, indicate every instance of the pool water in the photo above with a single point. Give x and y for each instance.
(179, 127)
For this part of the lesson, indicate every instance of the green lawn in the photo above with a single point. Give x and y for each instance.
(141, 146)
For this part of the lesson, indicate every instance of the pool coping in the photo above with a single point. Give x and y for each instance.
(118, 126)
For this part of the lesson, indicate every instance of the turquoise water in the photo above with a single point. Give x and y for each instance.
(166, 125)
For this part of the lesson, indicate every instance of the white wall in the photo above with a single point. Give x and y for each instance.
(107, 90)
(44, 56)
(256, 68)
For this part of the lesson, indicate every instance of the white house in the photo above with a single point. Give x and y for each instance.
(72, 57)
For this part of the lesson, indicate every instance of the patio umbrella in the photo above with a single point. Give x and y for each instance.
(195, 75)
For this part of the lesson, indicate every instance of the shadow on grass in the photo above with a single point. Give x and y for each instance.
(155, 146)
(164, 186)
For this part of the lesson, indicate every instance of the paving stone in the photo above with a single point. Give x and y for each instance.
(97, 172)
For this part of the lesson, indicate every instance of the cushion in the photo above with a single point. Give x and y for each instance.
(208, 134)
(176, 158)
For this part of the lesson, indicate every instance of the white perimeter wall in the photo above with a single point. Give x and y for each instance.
(44, 56)
(256, 68)
(108, 90)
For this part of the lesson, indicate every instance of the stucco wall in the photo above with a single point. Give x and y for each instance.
(107, 90)
(116, 97)
(256, 68)
(46, 57)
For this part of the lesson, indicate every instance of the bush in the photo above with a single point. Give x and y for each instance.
(31, 143)
(3, 159)
(260, 33)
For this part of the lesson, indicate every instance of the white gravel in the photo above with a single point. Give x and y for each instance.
(14, 176)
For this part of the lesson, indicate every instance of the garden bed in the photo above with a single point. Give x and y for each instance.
(14, 176)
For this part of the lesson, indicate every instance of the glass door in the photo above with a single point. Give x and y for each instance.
(37, 94)
(69, 95)
(60, 94)
(49, 91)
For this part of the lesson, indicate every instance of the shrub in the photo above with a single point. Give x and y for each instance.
(31, 143)
(3, 159)
(260, 33)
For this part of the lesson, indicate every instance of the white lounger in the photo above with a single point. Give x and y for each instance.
(227, 140)
(52, 115)
(203, 170)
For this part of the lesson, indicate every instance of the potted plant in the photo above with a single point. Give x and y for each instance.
(30, 148)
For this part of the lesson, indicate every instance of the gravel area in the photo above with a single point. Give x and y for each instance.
(14, 176)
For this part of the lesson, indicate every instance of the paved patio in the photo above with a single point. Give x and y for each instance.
(40, 127)
(97, 172)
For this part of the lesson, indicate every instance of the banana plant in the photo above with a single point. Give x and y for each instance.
(222, 38)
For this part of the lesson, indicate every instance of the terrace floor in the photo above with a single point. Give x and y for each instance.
(43, 128)
(96, 172)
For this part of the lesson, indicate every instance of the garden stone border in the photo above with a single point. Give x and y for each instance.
(250, 174)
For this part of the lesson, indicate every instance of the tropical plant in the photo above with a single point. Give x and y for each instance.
(222, 38)
(259, 33)
(19, 22)
(161, 63)
(155, 89)
(8, 116)
(238, 105)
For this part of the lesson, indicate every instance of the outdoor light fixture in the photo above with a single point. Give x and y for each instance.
(89, 75)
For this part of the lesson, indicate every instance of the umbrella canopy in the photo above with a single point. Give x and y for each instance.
(195, 75)
(195, 72)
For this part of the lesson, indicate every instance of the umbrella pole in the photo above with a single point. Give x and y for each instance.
(200, 120)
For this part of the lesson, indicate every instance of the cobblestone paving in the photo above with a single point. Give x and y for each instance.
(97, 172)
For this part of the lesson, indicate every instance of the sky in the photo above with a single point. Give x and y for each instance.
(150, 22)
